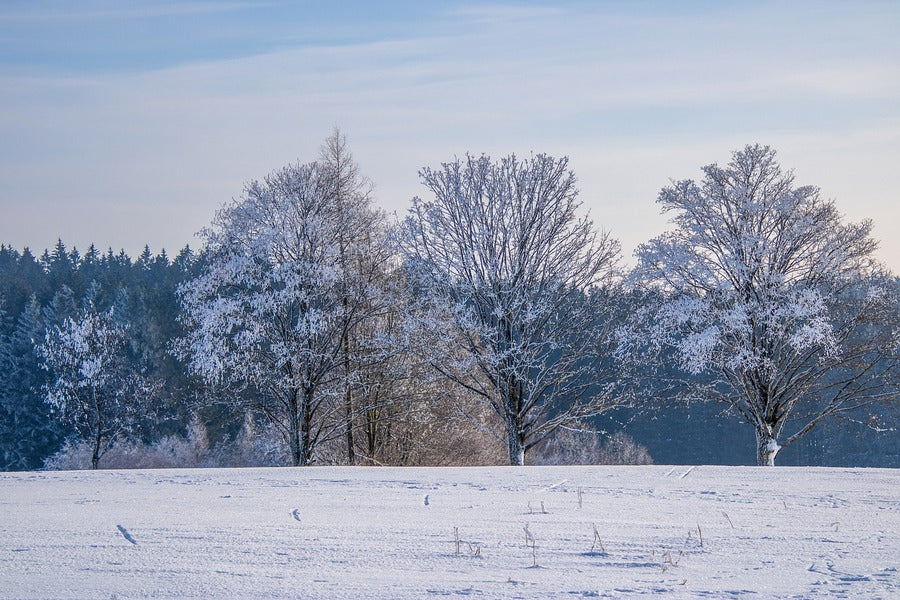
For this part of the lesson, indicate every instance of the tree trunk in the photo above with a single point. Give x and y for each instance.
(306, 424)
(514, 443)
(348, 403)
(766, 447)
(372, 432)
(295, 430)
(95, 455)
(514, 438)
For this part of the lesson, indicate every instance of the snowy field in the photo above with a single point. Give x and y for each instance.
(719, 532)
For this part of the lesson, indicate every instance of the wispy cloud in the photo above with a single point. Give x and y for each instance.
(60, 10)
(504, 13)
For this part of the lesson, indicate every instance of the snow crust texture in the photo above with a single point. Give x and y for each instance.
(534, 532)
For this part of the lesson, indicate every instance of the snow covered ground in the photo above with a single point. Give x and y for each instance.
(392, 533)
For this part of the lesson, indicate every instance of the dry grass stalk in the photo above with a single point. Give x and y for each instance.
(597, 541)
(529, 542)
(729, 519)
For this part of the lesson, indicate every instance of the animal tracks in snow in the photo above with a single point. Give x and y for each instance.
(126, 535)
(672, 471)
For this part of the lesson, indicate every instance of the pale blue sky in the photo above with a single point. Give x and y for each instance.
(125, 123)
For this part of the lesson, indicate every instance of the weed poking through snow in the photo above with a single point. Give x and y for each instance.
(530, 543)
(597, 542)
(474, 549)
(729, 519)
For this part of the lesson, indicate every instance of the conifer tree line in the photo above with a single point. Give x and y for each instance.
(39, 294)
(494, 323)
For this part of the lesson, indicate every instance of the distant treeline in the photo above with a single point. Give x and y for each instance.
(40, 292)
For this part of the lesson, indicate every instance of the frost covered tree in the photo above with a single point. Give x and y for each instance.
(762, 287)
(293, 268)
(519, 279)
(93, 386)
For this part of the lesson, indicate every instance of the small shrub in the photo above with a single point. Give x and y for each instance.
(253, 446)
(586, 447)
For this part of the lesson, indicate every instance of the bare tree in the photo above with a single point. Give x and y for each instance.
(349, 190)
(763, 287)
(412, 416)
(502, 252)
(294, 267)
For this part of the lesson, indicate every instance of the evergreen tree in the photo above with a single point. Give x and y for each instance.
(27, 434)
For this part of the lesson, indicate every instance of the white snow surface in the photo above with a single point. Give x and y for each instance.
(343, 532)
